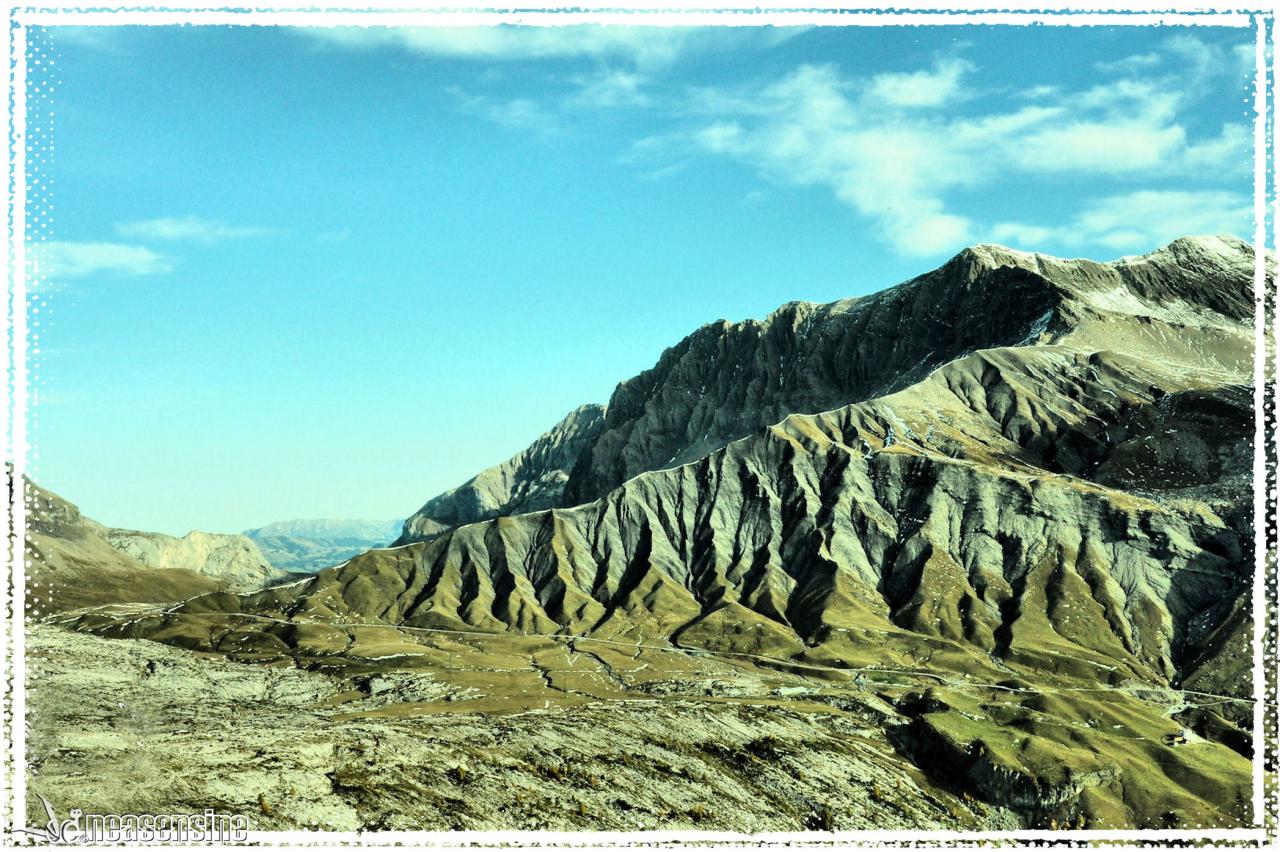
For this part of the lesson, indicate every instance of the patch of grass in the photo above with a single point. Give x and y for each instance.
(555, 771)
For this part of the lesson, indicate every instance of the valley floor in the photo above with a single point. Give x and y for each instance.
(540, 735)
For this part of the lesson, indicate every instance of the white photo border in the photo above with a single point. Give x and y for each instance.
(19, 381)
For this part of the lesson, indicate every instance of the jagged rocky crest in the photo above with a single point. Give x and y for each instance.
(728, 379)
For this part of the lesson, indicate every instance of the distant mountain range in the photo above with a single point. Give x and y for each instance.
(309, 545)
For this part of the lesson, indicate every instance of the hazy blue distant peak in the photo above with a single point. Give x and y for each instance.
(328, 528)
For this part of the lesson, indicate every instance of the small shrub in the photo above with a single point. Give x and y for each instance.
(765, 748)
(822, 819)
(265, 806)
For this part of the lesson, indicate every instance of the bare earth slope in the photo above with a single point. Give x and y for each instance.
(73, 565)
(77, 562)
(233, 559)
(1014, 520)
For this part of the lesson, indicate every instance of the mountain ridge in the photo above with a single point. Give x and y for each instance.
(612, 451)
(532, 479)
(1016, 412)
(1030, 534)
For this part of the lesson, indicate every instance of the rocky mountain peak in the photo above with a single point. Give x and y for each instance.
(727, 379)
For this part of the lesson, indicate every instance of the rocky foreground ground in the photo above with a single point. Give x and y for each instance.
(561, 734)
(131, 726)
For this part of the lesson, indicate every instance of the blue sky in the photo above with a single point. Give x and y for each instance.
(330, 273)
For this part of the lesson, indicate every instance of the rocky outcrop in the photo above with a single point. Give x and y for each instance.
(135, 727)
(232, 559)
(533, 479)
(72, 565)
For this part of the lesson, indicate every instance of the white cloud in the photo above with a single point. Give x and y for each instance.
(808, 130)
(1139, 220)
(1129, 64)
(1246, 57)
(59, 260)
(519, 113)
(1102, 147)
(608, 89)
(883, 151)
(513, 113)
(1035, 93)
(643, 46)
(1026, 237)
(1145, 218)
(625, 59)
(1230, 152)
(101, 38)
(188, 229)
(1195, 58)
(605, 89)
(921, 88)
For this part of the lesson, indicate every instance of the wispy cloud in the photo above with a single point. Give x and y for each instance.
(642, 46)
(511, 113)
(1138, 220)
(189, 229)
(625, 60)
(609, 88)
(1193, 59)
(59, 260)
(894, 149)
(103, 39)
(1129, 64)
